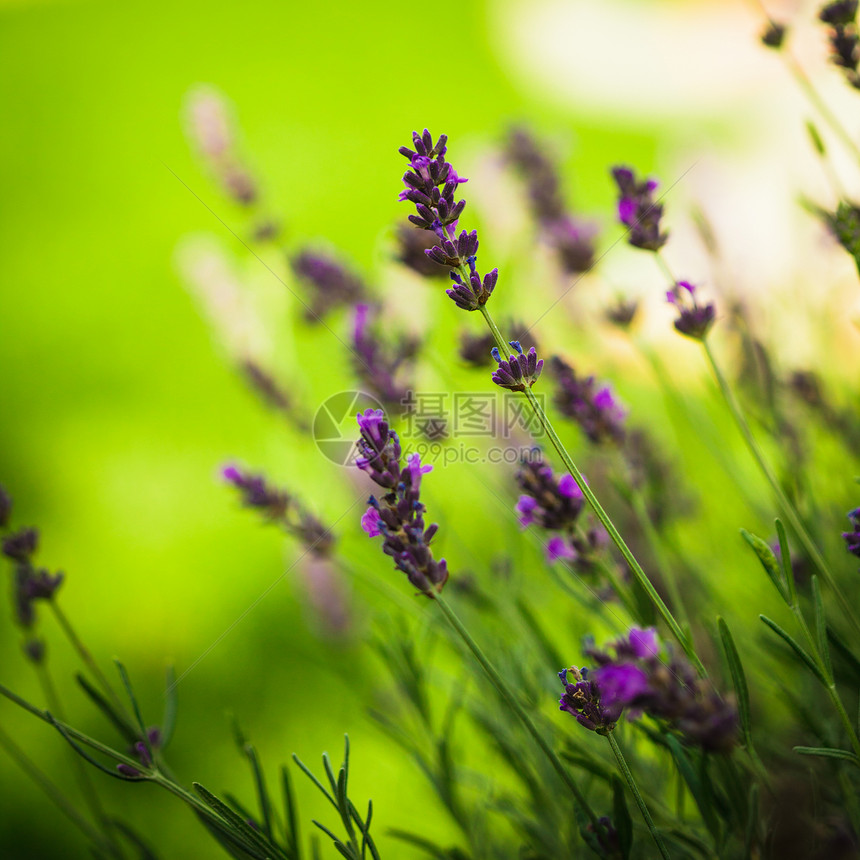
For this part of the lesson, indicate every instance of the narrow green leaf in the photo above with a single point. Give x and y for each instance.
(227, 839)
(815, 138)
(768, 562)
(307, 772)
(420, 842)
(107, 709)
(144, 849)
(87, 757)
(133, 699)
(330, 773)
(291, 814)
(236, 823)
(700, 795)
(828, 752)
(739, 681)
(262, 791)
(785, 555)
(801, 653)
(821, 628)
(621, 817)
(342, 849)
(168, 720)
(752, 820)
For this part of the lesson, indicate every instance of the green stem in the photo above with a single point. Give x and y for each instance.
(819, 104)
(508, 696)
(89, 661)
(54, 794)
(88, 789)
(640, 801)
(785, 503)
(601, 514)
(832, 692)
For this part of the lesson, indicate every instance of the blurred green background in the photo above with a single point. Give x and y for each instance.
(117, 406)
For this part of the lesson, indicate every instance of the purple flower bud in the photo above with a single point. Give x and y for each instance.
(638, 211)
(5, 508)
(852, 538)
(331, 285)
(694, 320)
(21, 545)
(519, 371)
(370, 522)
(557, 548)
(596, 410)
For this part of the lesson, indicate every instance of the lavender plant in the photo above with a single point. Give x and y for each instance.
(672, 714)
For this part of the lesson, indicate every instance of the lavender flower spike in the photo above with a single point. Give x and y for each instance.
(519, 370)
(852, 538)
(582, 700)
(694, 320)
(595, 409)
(638, 211)
(398, 516)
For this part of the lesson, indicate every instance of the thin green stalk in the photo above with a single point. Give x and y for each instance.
(819, 104)
(512, 701)
(88, 660)
(640, 801)
(601, 514)
(830, 684)
(785, 503)
(54, 794)
(88, 789)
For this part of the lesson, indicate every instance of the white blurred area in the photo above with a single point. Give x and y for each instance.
(730, 124)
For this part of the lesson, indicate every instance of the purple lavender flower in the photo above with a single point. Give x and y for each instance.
(558, 548)
(622, 313)
(30, 585)
(399, 514)
(852, 538)
(572, 240)
(475, 348)
(21, 545)
(638, 211)
(331, 283)
(632, 675)
(553, 503)
(595, 409)
(279, 506)
(694, 320)
(582, 699)
(6, 506)
(519, 370)
(412, 247)
(381, 365)
(431, 184)
(844, 39)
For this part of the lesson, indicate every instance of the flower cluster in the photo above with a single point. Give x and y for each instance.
(844, 39)
(431, 184)
(694, 320)
(638, 211)
(594, 408)
(519, 371)
(572, 240)
(632, 674)
(555, 504)
(331, 283)
(582, 699)
(852, 538)
(412, 246)
(380, 365)
(280, 507)
(399, 514)
(211, 129)
(29, 583)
